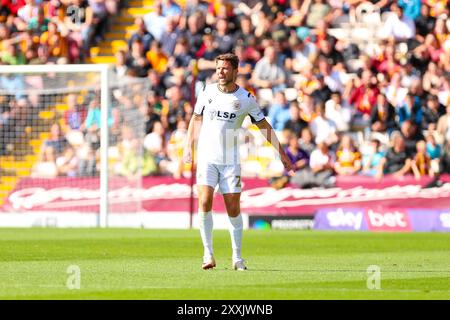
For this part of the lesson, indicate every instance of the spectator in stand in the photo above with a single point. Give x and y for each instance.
(152, 115)
(411, 8)
(363, 97)
(194, 6)
(432, 111)
(411, 135)
(120, 68)
(142, 34)
(306, 140)
(25, 14)
(294, 14)
(5, 35)
(394, 92)
(245, 32)
(315, 11)
(245, 66)
(171, 9)
(174, 109)
(434, 149)
(304, 53)
(410, 110)
(157, 58)
(321, 162)
(55, 44)
(332, 78)
(340, 111)
(155, 144)
(175, 149)
(13, 55)
(74, 118)
(324, 129)
(99, 21)
(46, 167)
(268, 74)
(348, 158)
(328, 52)
(136, 61)
(170, 36)
(420, 95)
(80, 27)
(382, 117)
(195, 32)
(299, 159)
(207, 55)
(396, 160)
(156, 83)
(155, 21)
(219, 9)
(398, 26)
(321, 92)
(371, 157)
(244, 82)
(430, 49)
(67, 164)
(38, 24)
(421, 163)
(432, 79)
(307, 108)
(424, 23)
(181, 57)
(131, 163)
(225, 39)
(389, 63)
(295, 124)
(56, 141)
(279, 113)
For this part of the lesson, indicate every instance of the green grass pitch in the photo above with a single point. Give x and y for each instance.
(165, 264)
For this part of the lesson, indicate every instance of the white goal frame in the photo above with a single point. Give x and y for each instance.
(103, 70)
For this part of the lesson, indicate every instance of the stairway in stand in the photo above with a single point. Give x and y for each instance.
(122, 27)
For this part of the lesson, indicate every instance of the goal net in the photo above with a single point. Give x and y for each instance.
(71, 144)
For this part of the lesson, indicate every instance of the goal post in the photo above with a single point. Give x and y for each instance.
(57, 82)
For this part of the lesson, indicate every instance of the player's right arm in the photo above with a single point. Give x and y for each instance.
(192, 135)
(194, 127)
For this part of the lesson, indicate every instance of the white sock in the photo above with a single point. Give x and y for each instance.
(236, 228)
(205, 220)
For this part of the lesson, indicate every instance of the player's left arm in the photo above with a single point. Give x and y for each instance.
(257, 117)
(267, 131)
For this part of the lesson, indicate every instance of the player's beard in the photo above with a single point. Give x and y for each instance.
(227, 80)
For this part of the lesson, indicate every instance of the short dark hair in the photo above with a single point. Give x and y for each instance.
(230, 57)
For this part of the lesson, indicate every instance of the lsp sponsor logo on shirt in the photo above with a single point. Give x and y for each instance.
(225, 115)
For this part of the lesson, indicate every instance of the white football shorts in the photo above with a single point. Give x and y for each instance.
(227, 177)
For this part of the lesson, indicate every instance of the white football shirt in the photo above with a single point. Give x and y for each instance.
(223, 114)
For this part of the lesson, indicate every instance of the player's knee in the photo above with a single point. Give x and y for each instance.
(205, 204)
(234, 211)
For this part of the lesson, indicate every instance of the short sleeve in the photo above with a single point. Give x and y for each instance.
(254, 111)
(200, 104)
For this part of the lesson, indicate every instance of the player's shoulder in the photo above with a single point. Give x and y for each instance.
(209, 88)
(246, 95)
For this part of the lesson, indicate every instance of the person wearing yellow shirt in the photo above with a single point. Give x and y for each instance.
(157, 57)
(55, 42)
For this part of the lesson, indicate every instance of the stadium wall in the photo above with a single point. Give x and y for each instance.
(356, 203)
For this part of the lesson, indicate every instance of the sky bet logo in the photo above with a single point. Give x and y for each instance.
(222, 115)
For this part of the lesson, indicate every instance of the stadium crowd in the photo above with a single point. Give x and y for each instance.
(340, 105)
(52, 31)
